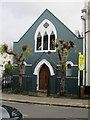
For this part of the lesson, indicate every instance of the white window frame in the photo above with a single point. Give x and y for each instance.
(68, 71)
(69, 62)
(42, 30)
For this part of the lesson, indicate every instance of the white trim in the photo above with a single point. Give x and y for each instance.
(15, 64)
(25, 65)
(38, 67)
(68, 70)
(69, 77)
(42, 30)
(28, 65)
(69, 62)
(78, 77)
(75, 65)
(44, 61)
(72, 77)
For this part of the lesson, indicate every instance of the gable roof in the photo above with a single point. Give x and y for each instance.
(60, 22)
(45, 12)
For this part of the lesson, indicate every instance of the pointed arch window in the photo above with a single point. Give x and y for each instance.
(68, 70)
(52, 39)
(45, 41)
(39, 41)
(44, 36)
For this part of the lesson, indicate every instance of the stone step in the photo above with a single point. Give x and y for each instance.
(42, 93)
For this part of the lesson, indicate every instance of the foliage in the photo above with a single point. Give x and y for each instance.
(20, 57)
(63, 48)
(3, 48)
(25, 50)
(8, 68)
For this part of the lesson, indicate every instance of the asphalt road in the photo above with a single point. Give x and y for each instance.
(47, 111)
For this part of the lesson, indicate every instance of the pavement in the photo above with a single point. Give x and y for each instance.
(67, 102)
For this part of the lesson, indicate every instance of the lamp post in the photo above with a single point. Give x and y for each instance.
(83, 17)
(83, 71)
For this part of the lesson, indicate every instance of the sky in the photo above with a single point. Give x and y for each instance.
(16, 17)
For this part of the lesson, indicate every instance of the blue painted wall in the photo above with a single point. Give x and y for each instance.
(62, 33)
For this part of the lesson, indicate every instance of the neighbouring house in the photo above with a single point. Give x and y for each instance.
(3, 61)
(42, 71)
(86, 44)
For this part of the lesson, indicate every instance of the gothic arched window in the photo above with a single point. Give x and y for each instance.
(44, 36)
(45, 41)
(52, 39)
(39, 41)
(68, 70)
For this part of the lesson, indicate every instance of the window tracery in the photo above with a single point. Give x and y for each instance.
(45, 35)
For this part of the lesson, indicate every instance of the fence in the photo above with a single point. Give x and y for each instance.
(11, 83)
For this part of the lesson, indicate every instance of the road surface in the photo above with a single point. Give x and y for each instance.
(46, 111)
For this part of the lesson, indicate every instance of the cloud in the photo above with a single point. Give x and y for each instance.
(43, 0)
(13, 26)
(17, 17)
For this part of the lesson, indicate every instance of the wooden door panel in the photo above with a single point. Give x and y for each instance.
(43, 77)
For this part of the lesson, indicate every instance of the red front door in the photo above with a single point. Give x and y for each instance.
(44, 77)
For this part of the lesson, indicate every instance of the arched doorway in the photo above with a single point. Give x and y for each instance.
(44, 77)
(39, 67)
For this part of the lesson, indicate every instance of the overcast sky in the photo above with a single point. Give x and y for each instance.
(17, 17)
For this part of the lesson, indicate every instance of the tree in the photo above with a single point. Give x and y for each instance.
(19, 57)
(63, 47)
(8, 68)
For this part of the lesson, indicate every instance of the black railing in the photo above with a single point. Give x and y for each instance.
(11, 83)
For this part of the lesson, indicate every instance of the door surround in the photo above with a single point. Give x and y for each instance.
(38, 67)
(44, 77)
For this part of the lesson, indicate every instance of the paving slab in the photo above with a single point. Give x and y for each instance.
(83, 103)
